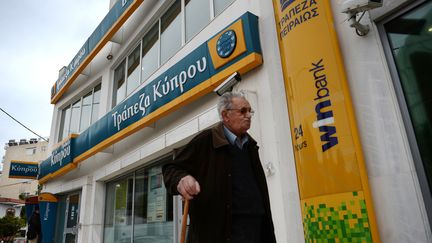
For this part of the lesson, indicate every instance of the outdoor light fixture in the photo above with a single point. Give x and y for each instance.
(228, 84)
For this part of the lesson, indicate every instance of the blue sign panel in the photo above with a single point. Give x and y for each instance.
(48, 216)
(23, 170)
(48, 213)
(60, 157)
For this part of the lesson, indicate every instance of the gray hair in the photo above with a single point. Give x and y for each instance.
(225, 101)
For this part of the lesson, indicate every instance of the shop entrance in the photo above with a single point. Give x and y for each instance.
(70, 232)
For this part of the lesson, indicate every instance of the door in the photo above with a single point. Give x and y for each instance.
(70, 233)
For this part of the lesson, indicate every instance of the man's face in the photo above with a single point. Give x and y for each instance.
(238, 118)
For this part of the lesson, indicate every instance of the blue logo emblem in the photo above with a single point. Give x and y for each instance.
(285, 3)
(226, 44)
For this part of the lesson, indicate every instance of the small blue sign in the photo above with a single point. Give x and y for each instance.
(226, 43)
(23, 170)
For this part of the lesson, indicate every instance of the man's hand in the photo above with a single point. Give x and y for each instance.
(188, 187)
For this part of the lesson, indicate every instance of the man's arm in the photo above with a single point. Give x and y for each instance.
(178, 175)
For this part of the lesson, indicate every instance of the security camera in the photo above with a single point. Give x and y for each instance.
(353, 7)
(358, 6)
(228, 84)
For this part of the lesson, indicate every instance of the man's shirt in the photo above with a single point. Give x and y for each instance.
(232, 138)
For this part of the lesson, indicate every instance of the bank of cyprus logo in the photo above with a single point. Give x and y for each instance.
(226, 43)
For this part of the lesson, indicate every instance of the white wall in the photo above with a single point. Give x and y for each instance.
(398, 202)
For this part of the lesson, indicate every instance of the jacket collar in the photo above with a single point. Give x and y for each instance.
(219, 138)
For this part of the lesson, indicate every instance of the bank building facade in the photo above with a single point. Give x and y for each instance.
(343, 116)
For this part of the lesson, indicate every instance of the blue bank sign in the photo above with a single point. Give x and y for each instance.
(179, 79)
(23, 169)
(195, 75)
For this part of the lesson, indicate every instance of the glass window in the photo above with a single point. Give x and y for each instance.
(220, 5)
(68, 211)
(73, 211)
(171, 33)
(150, 52)
(64, 125)
(86, 112)
(96, 102)
(133, 79)
(118, 213)
(75, 117)
(152, 212)
(410, 37)
(197, 16)
(153, 208)
(31, 151)
(119, 82)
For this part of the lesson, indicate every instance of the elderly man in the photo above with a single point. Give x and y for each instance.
(221, 173)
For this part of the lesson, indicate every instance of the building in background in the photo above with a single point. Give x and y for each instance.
(10, 206)
(346, 152)
(32, 150)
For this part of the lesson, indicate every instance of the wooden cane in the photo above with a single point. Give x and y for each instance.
(184, 222)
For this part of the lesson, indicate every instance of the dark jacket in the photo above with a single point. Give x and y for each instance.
(207, 159)
(34, 227)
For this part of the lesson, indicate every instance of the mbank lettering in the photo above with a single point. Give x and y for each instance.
(324, 113)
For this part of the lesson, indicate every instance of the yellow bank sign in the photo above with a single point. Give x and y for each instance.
(333, 184)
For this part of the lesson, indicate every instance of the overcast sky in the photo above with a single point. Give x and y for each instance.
(38, 38)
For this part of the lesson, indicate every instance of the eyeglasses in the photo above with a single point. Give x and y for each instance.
(244, 111)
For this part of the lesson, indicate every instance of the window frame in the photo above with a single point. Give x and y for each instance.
(210, 15)
(82, 109)
(96, 88)
(156, 25)
(32, 149)
(125, 64)
(171, 20)
(403, 107)
(69, 106)
(62, 122)
(138, 66)
(79, 101)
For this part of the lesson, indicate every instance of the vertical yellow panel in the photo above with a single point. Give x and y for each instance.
(333, 183)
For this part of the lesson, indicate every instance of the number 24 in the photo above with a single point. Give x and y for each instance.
(298, 132)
